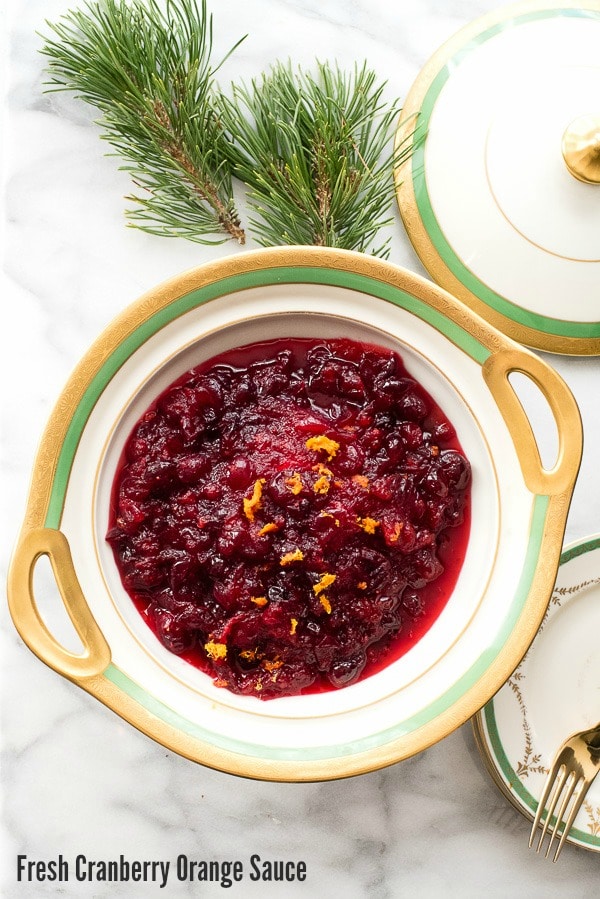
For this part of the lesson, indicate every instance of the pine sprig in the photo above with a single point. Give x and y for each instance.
(148, 69)
(314, 153)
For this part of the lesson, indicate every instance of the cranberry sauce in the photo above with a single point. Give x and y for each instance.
(291, 516)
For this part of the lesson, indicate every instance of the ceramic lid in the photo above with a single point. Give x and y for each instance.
(501, 198)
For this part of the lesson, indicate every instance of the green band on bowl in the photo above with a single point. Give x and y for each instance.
(262, 277)
(364, 744)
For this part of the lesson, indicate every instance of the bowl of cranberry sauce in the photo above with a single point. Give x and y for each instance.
(297, 514)
(292, 515)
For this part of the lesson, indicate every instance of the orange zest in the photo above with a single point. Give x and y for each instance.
(295, 556)
(324, 443)
(252, 505)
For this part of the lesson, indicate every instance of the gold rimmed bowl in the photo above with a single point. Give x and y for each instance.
(519, 509)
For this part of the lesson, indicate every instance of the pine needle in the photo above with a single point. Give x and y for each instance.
(314, 154)
(148, 69)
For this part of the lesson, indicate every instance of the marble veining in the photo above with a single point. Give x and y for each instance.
(75, 778)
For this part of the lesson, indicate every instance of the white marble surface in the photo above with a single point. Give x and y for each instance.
(75, 778)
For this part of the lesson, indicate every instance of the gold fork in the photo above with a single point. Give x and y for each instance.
(574, 768)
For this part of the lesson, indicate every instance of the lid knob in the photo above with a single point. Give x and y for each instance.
(581, 148)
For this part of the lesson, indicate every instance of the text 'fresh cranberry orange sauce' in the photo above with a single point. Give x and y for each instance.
(292, 515)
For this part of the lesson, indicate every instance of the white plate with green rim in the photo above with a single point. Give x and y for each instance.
(543, 702)
(519, 509)
(493, 198)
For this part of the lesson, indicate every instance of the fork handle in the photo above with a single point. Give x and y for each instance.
(592, 740)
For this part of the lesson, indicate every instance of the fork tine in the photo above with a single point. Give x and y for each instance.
(572, 815)
(572, 782)
(573, 770)
(548, 786)
(556, 783)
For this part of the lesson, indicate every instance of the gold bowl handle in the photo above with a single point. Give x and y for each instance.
(560, 478)
(96, 654)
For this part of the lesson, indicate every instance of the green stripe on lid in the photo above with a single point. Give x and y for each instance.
(478, 288)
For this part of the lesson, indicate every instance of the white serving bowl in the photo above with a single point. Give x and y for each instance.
(518, 514)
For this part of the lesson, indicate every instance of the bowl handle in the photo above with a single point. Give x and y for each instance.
(96, 654)
(560, 478)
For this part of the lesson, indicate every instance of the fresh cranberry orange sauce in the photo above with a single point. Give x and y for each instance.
(292, 515)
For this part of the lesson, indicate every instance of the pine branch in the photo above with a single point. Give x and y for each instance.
(148, 70)
(314, 153)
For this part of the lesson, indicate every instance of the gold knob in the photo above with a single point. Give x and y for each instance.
(581, 148)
